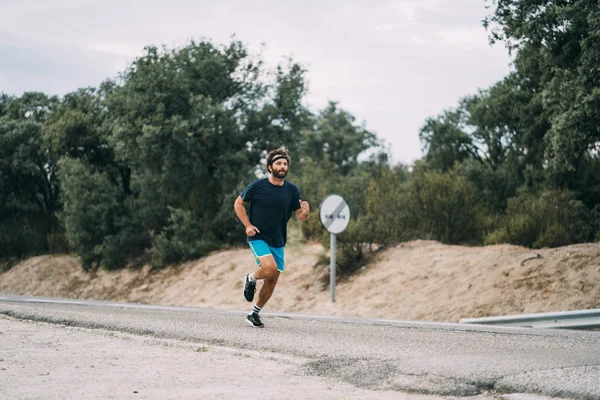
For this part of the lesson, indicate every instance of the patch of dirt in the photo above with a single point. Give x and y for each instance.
(418, 280)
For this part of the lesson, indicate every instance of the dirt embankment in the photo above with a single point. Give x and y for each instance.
(419, 280)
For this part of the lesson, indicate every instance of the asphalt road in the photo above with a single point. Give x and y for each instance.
(373, 354)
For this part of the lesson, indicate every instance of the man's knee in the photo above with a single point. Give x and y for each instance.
(269, 267)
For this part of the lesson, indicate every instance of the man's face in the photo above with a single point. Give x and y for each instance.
(279, 168)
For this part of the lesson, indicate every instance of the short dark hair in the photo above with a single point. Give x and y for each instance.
(275, 154)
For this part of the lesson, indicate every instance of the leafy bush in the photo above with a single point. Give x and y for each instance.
(20, 237)
(118, 249)
(181, 240)
(551, 219)
(226, 224)
(386, 219)
(494, 186)
(93, 213)
(444, 207)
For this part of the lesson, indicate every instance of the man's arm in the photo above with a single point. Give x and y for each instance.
(302, 212)
(241, 213)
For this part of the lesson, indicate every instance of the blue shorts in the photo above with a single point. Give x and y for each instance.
(260, 248)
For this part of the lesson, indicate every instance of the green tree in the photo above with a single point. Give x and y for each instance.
(446, 140)
(537, 128)
(444, 207)
(96, 218)
(28, 184)
(77, 128)
(550, 219)
(563, 39)
(338, 139)
(191, 124)
(387, 219)
(278, 117)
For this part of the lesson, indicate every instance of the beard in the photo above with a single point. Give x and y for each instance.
(282, 173)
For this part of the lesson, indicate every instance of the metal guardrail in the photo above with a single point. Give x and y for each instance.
(579, 319)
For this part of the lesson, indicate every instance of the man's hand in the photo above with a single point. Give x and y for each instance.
(251, 230)
(303, 211)
(304, 206)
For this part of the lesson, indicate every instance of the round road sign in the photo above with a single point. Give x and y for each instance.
(334, 213)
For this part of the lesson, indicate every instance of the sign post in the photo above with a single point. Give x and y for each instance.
(335, 216)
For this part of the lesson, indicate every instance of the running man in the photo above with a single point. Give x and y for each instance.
(272, 201)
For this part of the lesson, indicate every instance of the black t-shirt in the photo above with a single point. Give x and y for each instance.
(271, 207)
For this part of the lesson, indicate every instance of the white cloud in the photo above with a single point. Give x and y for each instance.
(471, 36)
(388, 28)
(407, 10)
(129, 50)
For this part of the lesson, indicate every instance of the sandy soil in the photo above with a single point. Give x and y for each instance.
(418, 280)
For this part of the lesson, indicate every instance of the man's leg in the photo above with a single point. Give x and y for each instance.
(269, 273)
(271, 262)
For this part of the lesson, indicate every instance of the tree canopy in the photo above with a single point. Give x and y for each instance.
(146, 166)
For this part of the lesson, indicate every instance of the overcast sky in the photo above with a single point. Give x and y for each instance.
(391, 64)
